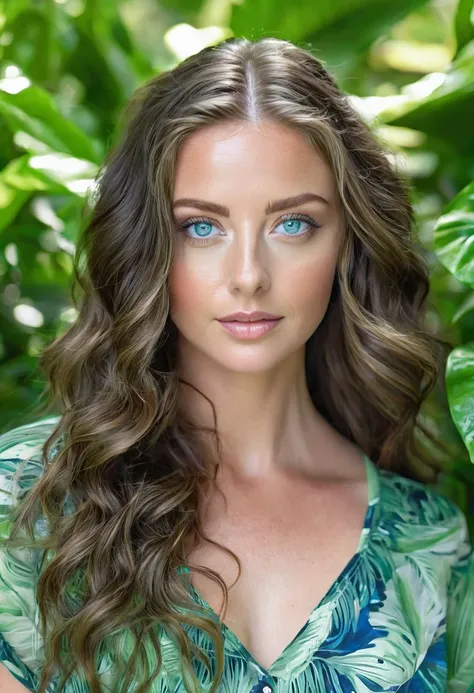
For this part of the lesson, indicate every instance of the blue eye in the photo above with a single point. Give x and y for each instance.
(291, 223)
(202, 228)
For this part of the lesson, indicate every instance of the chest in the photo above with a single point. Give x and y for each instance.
(292, 546)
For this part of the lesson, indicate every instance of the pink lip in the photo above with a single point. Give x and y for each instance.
(249, 330)
(249, 317)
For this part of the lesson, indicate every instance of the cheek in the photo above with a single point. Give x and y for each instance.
(309, 286)
(190, 291)
(182, 285)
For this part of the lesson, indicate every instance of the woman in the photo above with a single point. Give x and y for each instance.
(206, 452)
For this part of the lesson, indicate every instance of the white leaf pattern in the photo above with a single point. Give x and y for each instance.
(400, 617)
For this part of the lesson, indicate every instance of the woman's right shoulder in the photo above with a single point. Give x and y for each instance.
(21, 462)
(21, 646)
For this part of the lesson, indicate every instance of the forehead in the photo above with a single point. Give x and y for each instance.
(250, 157)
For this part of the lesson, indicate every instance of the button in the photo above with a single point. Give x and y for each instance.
(262, 687)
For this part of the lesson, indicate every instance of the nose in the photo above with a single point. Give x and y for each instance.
(248, 268)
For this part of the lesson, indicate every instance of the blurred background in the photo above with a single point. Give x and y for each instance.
(67, 68)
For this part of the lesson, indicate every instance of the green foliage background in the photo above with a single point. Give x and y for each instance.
(67, 69)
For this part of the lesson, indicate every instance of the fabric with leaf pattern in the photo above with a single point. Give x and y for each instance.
(400, 616)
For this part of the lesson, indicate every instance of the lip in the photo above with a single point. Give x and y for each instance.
(249, 317)
(250, 329)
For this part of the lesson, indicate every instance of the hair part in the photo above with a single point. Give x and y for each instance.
(131, 465)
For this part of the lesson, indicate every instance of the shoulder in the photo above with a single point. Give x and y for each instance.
(20, 467)
(21, 459)
(417, 517)
(23, 441)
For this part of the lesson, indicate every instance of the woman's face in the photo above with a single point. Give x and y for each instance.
(237, 255)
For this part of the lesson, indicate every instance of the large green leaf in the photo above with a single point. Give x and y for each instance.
(18, 182)
(453, 236)
(186, 10)
(35, 42)
(21, 175)
(467, 306)
(339, 43)
(53, 173)
(32, 110)
(335, 29)
(106, 70)
(11, 201)
(445, 111)
(464, 25)
(460, 392)
(12, 9)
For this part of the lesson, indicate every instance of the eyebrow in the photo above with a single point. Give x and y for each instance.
(275, 206)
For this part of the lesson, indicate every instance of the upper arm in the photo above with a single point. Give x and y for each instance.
(21, 646)
(10, 684)
(460, 617)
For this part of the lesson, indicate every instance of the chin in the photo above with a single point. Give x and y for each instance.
(250, 362)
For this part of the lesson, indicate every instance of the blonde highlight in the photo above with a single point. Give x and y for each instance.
(131, 467)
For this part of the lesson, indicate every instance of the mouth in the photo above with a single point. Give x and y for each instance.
(254, 316)
(250, 329)
(253, 322)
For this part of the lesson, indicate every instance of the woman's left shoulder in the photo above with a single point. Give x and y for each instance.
(420, 517)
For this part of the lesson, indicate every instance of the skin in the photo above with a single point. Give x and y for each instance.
(250, 261)
(295, 489)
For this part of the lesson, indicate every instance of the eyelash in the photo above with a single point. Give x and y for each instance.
(294, 215)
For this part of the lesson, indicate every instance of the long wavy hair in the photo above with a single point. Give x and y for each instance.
(130, 463)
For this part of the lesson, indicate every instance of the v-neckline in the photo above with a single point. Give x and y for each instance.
(373, 498)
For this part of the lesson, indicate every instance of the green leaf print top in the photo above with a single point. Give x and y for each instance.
(400, 616)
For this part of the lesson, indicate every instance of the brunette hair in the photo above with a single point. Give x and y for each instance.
(130, 465)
